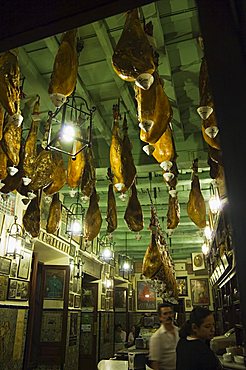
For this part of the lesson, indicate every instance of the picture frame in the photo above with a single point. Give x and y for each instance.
(4, 280)
(188, 304)
(14, 268)
(18, 290)
(5, 264)
(62, 230)
(200, 292)
(145, 297)
(120, 299)
(54, 283)
(182, 286)
(24, 265)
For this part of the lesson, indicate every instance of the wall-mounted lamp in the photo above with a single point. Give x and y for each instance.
(15, 241)
(208, 233)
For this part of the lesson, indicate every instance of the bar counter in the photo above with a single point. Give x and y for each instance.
(114, 365)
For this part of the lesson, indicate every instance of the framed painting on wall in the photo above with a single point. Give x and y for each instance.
(3, 287)
(24, 265)
(146, 297)
(199, 292)
(54, 283)
(120, 299)
(182, 286)
(5, 264)
(18, 290)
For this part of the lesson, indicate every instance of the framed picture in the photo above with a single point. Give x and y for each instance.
(54, 283)
(188, 304)
(199, 292)
(62, 230)
(182, 286)
(18, 290)
(14, 268)
(146, 297)
(5, 264)
(120, 299)
(3, 287)
(24, 265)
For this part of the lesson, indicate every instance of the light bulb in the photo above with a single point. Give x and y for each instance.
(108, 283)
(146, 295)
(208, 233)
(76, 227)
(126, 266)
(67, 133)
(205, 248)
(214, 204)
(107, 253)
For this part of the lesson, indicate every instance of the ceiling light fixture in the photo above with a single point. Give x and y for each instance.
(71, 124)
(75, 218)
(106, 248)
(205, 248)
(15, 241)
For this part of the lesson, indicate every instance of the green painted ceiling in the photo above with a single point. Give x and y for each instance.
(176, 30)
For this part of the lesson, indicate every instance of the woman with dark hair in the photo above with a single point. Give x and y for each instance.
(193, 351)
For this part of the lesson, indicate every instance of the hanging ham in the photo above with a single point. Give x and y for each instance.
(164, 147)
(31, 218)
(65, 69)
(121, 159)
(43, 170)
(152, 261)
(133, 54)
(93, 218)
(129, 169)
(111, 207)
(88, 180)
(173, 213)
(58, 175)
(30, 148)
(196, 207)
(154, 111)
(12, 142)
(3, 163)
(133, 214)
(10, 85)
(55, 213)
(76, 166)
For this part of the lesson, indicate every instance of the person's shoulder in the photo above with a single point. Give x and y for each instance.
(156, 333)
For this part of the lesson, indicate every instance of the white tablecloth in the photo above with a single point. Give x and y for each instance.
(114, 365)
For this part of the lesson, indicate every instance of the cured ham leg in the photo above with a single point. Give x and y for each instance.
(76, 166)
(65, 69)
(55, 213)
(111, 208)
(31, 218)
(133, 214)
(133, 54)
(154, 111)
(88, 180)
(196, 207)
(58, 175)
(93, 218)
(173, 213)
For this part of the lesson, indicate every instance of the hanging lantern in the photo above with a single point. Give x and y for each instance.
(75, 218)
(72, 118)
(106, 248)
(15, 241)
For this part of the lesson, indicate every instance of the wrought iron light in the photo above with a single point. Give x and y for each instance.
(75, 218)
(15, 240)
(73, 116)
(125, 262)
(106, 248)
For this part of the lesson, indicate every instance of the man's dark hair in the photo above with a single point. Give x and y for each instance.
(165, 304)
